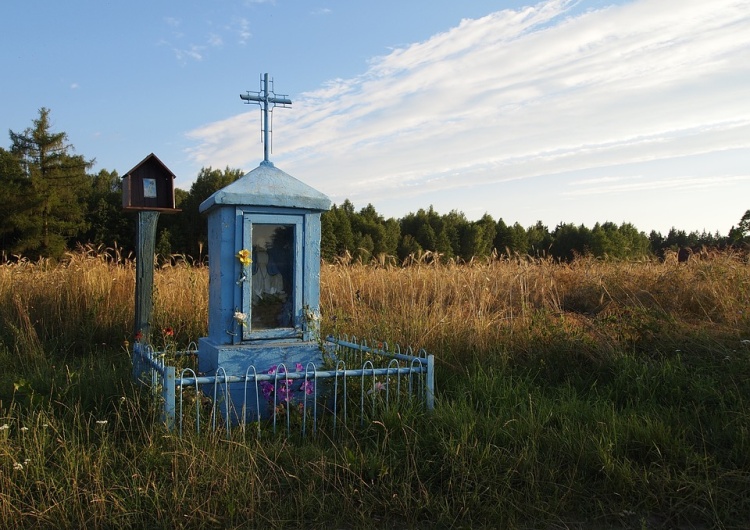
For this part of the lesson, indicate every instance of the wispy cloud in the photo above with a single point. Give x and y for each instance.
(192, 52)
(639, 183)
(241, 27)
(189, 48)
(518, 94)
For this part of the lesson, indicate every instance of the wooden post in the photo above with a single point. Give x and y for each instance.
(144, 280)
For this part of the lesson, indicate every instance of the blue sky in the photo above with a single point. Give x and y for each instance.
(559, 111)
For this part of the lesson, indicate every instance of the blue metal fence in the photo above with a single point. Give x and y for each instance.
(366, 378)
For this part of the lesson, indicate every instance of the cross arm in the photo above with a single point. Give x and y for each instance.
(271, 99)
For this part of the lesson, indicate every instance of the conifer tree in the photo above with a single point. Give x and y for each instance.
(56, 186)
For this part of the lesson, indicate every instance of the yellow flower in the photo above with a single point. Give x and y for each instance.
(244, 257)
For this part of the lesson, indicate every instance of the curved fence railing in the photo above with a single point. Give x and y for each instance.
(356, 382)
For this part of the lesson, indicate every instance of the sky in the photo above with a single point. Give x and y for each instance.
(559, 111)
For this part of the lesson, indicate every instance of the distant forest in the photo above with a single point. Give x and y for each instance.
(52, 204)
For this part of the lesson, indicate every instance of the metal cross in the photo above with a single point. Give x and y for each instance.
(266, 99)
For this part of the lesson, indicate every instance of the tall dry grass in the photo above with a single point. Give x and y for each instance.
(515, 307)
(493, 308)
(86, 302)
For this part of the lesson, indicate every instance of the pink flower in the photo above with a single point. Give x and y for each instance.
(266, 388)
(377, 387)
(285, 391)
(300, 367)
(308, 387)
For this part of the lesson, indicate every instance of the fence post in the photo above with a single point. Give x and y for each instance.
(430, 390)
(168, 394)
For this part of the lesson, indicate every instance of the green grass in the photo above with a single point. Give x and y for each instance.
(659, 443)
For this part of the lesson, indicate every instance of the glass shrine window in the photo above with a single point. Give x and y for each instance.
(272, 282)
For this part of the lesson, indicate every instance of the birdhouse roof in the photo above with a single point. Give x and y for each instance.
(152, 164)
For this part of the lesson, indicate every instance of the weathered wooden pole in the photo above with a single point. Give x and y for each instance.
(144, 281)
(144, 272)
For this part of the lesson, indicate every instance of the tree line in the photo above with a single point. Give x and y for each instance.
(51, 203)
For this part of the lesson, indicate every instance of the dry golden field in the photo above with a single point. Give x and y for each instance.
(494, 307)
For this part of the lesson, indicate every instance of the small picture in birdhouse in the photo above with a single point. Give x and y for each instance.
(149, 188)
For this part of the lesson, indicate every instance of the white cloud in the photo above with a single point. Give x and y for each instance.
(241, 27)
(215, 38)
(519, 94)
(639, 183)
(193, 52)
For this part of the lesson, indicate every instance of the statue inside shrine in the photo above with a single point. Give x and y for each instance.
(271, 279)
(266, 278)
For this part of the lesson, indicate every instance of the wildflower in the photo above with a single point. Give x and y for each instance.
(285, 391)
(244, 257)
(308, 387)
(4, 427)
(299, 367)
(101, 422)
(377, 387)
(138, 336)
(272, 370)
(312, 315)
(18, 466)
(745, 342)
(168, 332)
(266, 388)
(240, 318)
(24, 429)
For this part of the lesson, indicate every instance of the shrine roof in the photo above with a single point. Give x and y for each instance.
(266, 185)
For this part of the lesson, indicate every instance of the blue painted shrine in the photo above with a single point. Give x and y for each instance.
(264, 273)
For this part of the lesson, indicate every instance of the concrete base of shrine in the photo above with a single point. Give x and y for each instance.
(238, 360)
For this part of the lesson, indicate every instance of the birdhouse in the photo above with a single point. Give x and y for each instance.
(264, 272)
(149, 186)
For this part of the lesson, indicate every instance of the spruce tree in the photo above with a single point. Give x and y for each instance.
(56, 186)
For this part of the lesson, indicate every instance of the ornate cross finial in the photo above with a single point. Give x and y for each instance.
(267, 101)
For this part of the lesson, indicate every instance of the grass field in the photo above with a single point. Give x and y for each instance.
(589, 395)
